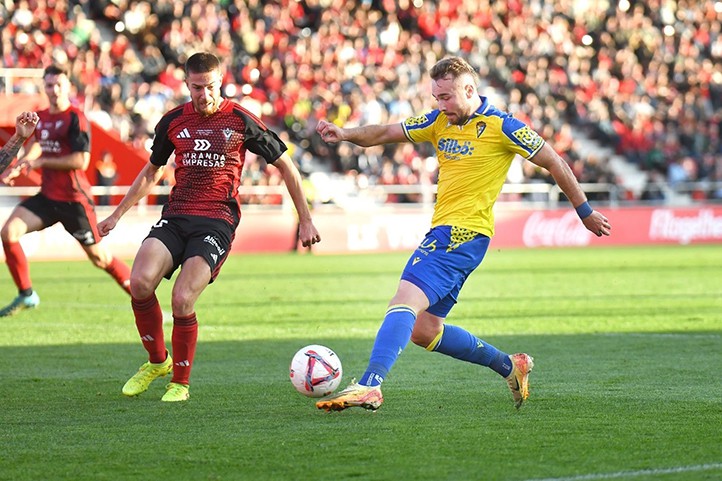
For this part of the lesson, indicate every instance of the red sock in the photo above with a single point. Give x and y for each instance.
(17, 265)
(185, 335)
(149, 321)
(120, 272)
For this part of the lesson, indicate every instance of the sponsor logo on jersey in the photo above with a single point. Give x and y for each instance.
(50, 146)
(415, 121)
(204, 159)
(528, 138)
(204, 132)
(183, 134)
(454, 147)
(201, 145)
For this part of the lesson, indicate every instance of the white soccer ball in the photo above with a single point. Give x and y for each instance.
(315, 371)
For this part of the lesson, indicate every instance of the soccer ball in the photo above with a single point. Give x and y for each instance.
(315, 371)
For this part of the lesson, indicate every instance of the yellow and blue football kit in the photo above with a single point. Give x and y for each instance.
(474, 159)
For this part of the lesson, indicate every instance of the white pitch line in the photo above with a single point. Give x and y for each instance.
(671, 335)
(634, 474)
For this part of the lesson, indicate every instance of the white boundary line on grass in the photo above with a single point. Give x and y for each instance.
(671, 335)
(632, 474)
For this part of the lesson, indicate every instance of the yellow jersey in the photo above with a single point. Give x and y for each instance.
(474, 159)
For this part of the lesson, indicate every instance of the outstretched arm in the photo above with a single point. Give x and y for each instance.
(365, 136)
(142, 185)
(292, 178)
(24, 127)
(594, 221)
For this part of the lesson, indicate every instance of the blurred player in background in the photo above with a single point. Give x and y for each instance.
(61, 147)
(24, 127)
(210, 136)
(475, 145)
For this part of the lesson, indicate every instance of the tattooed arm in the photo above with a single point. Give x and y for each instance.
(24, 128)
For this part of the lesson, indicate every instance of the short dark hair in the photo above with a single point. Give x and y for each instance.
(202, 62)
(454, 66)
(54, 70)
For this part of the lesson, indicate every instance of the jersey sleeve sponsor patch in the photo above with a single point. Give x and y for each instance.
(418, 121)
(418, 129)
(528, 139)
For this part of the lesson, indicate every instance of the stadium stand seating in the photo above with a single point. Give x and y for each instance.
(628, 92)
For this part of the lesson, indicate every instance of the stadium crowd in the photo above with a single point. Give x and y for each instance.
(643, 78)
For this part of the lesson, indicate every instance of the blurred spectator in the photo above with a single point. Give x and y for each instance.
(107, 173)
(644, 78)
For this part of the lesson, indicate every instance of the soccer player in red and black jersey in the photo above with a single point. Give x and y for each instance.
(210, 136)
(61, 147)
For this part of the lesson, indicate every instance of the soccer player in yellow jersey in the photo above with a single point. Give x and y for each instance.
(475, 144)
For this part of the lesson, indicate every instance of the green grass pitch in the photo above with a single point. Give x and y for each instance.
(627, 343)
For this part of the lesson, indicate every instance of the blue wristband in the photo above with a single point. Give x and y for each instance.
(584, 210)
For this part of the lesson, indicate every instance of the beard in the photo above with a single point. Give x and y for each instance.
(456, 118)
(206, 109)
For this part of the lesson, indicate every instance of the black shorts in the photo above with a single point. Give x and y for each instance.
(78, 218)
(189, 236)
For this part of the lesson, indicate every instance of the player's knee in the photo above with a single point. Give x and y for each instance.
(99, 261)
(423, 336)
(141, 287)
(5, 234)
(182, 301)
(11, 232)
(419, 340)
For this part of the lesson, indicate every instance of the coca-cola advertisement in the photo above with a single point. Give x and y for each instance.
(630, 226)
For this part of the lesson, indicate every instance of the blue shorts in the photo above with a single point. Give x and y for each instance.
(442, 263)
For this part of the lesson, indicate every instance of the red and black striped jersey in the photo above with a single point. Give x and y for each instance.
(62, 134)
(209, 155)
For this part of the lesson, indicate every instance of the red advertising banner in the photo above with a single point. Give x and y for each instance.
(402, 228)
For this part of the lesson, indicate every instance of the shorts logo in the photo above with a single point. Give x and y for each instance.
(201, 145)
(416, 261)
(430, 246)
(85, 237)
(214, 242)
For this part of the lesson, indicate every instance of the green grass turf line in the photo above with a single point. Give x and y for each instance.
(627, 345)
